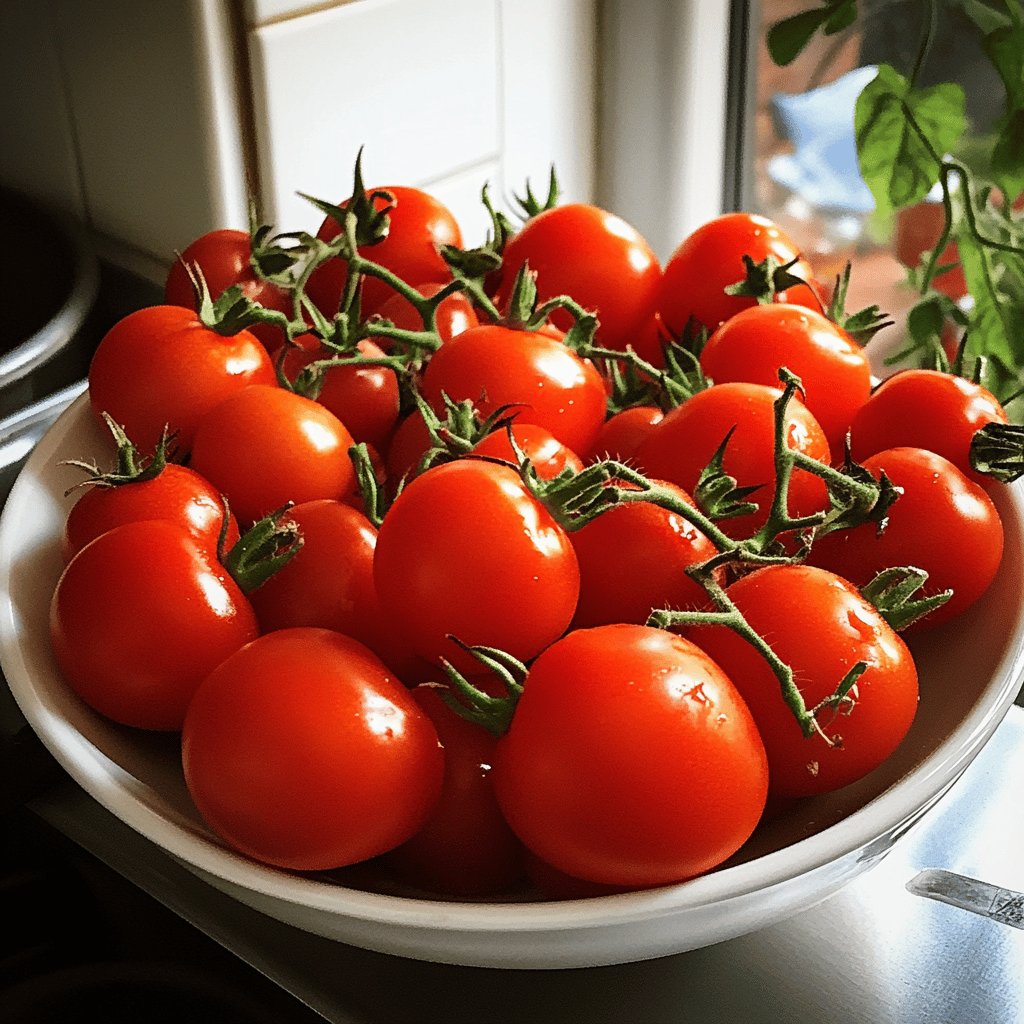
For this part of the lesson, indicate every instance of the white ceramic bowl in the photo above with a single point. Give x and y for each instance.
(969, 675)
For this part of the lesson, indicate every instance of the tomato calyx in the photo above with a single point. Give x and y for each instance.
(765, 280)
(490, 712)
(861, 326)
(232, 311)
(374, 496)
(530, 206)
(474, 265)
(130, 466)
(643, 383)
(892, 593)
(524, 314)
(269, 259)
(997, 450)
(717, 492)
(267, 546)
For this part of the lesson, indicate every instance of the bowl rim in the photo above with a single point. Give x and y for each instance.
(105, 781)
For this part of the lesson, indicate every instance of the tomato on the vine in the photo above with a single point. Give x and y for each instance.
(543, 380)
(303, 751)
(594, 257)
(455, 314)
(467, 551)
(680, 446)
(162, 367)
(633, 560)
(419, 226)
(834, 370)
(225, 258)
(926, 409)
(140, 616)
(264, 447)
(631, 759)
(942, 522)
(466, 847)
(710, 259)
(622, 433)
(821, 626)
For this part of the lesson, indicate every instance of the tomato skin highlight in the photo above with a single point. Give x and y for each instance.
(139, 617)
(304, 752)
(177, 493)
(266, 446)
(710, 259)
(942, 522)
(833, 369)
(821, 626)
(572, 786)
(465, 539)
(596, 258)
(926, 409)
(549, 384)
(419, 226)
(160, 366)
(679, 447)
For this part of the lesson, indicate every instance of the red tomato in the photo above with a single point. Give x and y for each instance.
(918, 228)
(466, 847)
(547, 383)
(160, 366)
(684, 442)
(302, 751)
(364, 398)
(622, 434)
(571, 781)
(265, 446)
(454, 314)
(225, 258)
(834, 369)
(594, 257)
(711, 259)
(420, 226)
(820, 626)
(633, 559)
(942, 522)
(466, 550)
(139, 617)
(176, 493)
(548, 455)
(926, 409)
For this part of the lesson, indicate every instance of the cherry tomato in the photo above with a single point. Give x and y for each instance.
(265, 446)
(454, 314)
(926, 409)
(622, 434)
(917, 229)
(942, 522)
(684, 442)
(548, 383)
(834, 369)
(633, 559)
(546, 453)
(364, 398)
(631, 759)
(466, 847)
(820, 626)
(161, 366)
(466, 550)
(302, 751)
(420, 226)
(177, 493)
(225, 258)
(596, 258)
(711, 259)
(140, 616)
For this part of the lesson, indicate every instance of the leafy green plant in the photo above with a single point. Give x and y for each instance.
(910, 138)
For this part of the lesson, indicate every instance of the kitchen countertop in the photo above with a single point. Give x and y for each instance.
(878, 951)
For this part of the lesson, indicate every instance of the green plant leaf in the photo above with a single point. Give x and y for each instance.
(903, 133)
(787, 38)
(1005, 48)
(1008, 156)
(987, 19)
(997, 322)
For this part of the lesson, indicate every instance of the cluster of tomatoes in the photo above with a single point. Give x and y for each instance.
(536, 558)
